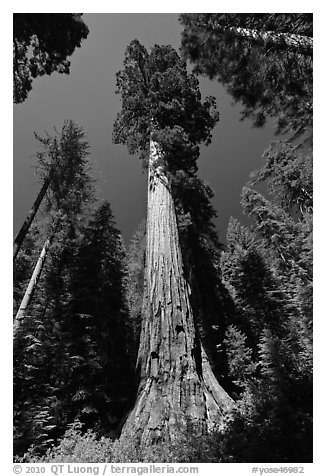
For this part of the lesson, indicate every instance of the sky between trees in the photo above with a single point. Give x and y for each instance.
(88, 97)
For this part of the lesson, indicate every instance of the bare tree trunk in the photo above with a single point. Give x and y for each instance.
(19, 318)
(18, 241)
(300, 43)
(177, 384)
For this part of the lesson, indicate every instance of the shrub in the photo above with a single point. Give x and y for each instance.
(79, 447)
(74, 447)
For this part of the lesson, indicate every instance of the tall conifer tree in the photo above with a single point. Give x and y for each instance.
(164, 118)
(264, 61)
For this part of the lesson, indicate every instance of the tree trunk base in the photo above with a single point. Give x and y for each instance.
(166, 409)
(177, 386)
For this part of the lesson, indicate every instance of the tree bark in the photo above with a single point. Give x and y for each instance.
(19, 318)
(177, 385)
(18, 241)
(300, 43)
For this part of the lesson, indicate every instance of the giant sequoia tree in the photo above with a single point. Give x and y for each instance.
(164, 119)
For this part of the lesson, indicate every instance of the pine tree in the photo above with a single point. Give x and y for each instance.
(265, 62)
(98, 300)
(73, 354)
(37, 338)
(269, 72)
(288, 174)
(269, 275)
(275, 30)
(64, 162)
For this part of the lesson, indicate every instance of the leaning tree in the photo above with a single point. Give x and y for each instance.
(165, 120)
(68, 186)
(263, 59)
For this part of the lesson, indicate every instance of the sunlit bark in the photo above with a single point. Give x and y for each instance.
(20, 316)
(177, 385)
(302, 44)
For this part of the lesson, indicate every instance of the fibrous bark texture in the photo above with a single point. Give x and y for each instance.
(177, 385)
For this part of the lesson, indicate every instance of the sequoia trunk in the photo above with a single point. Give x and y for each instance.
(177, 385)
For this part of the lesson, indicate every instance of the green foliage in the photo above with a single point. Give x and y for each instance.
(162, 100)
(268, 272)
(287, 171)
(159, 95)
(74, 343)
(248, 438)
(299, 23)
(244, 440)
(192, 198)
(73, 353)
(38, 347)
(240, 357)
(79, 447)
(252, 302)
(269, 79)
(65, 158)
(74, 447)
(135, 259)
(288, 239)
(98, 290)
(250, 283)
(42, 42)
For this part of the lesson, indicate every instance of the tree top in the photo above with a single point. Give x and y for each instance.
(159, 95)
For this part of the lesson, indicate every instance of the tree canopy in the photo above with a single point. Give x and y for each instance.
(73, 349)
(42, 43)
(159, 95)
(243, 312)
(263, 71)
(288, 173)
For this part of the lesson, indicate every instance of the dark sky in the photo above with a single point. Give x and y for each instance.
(87, 97)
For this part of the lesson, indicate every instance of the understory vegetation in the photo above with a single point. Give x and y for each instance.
(75, 350)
